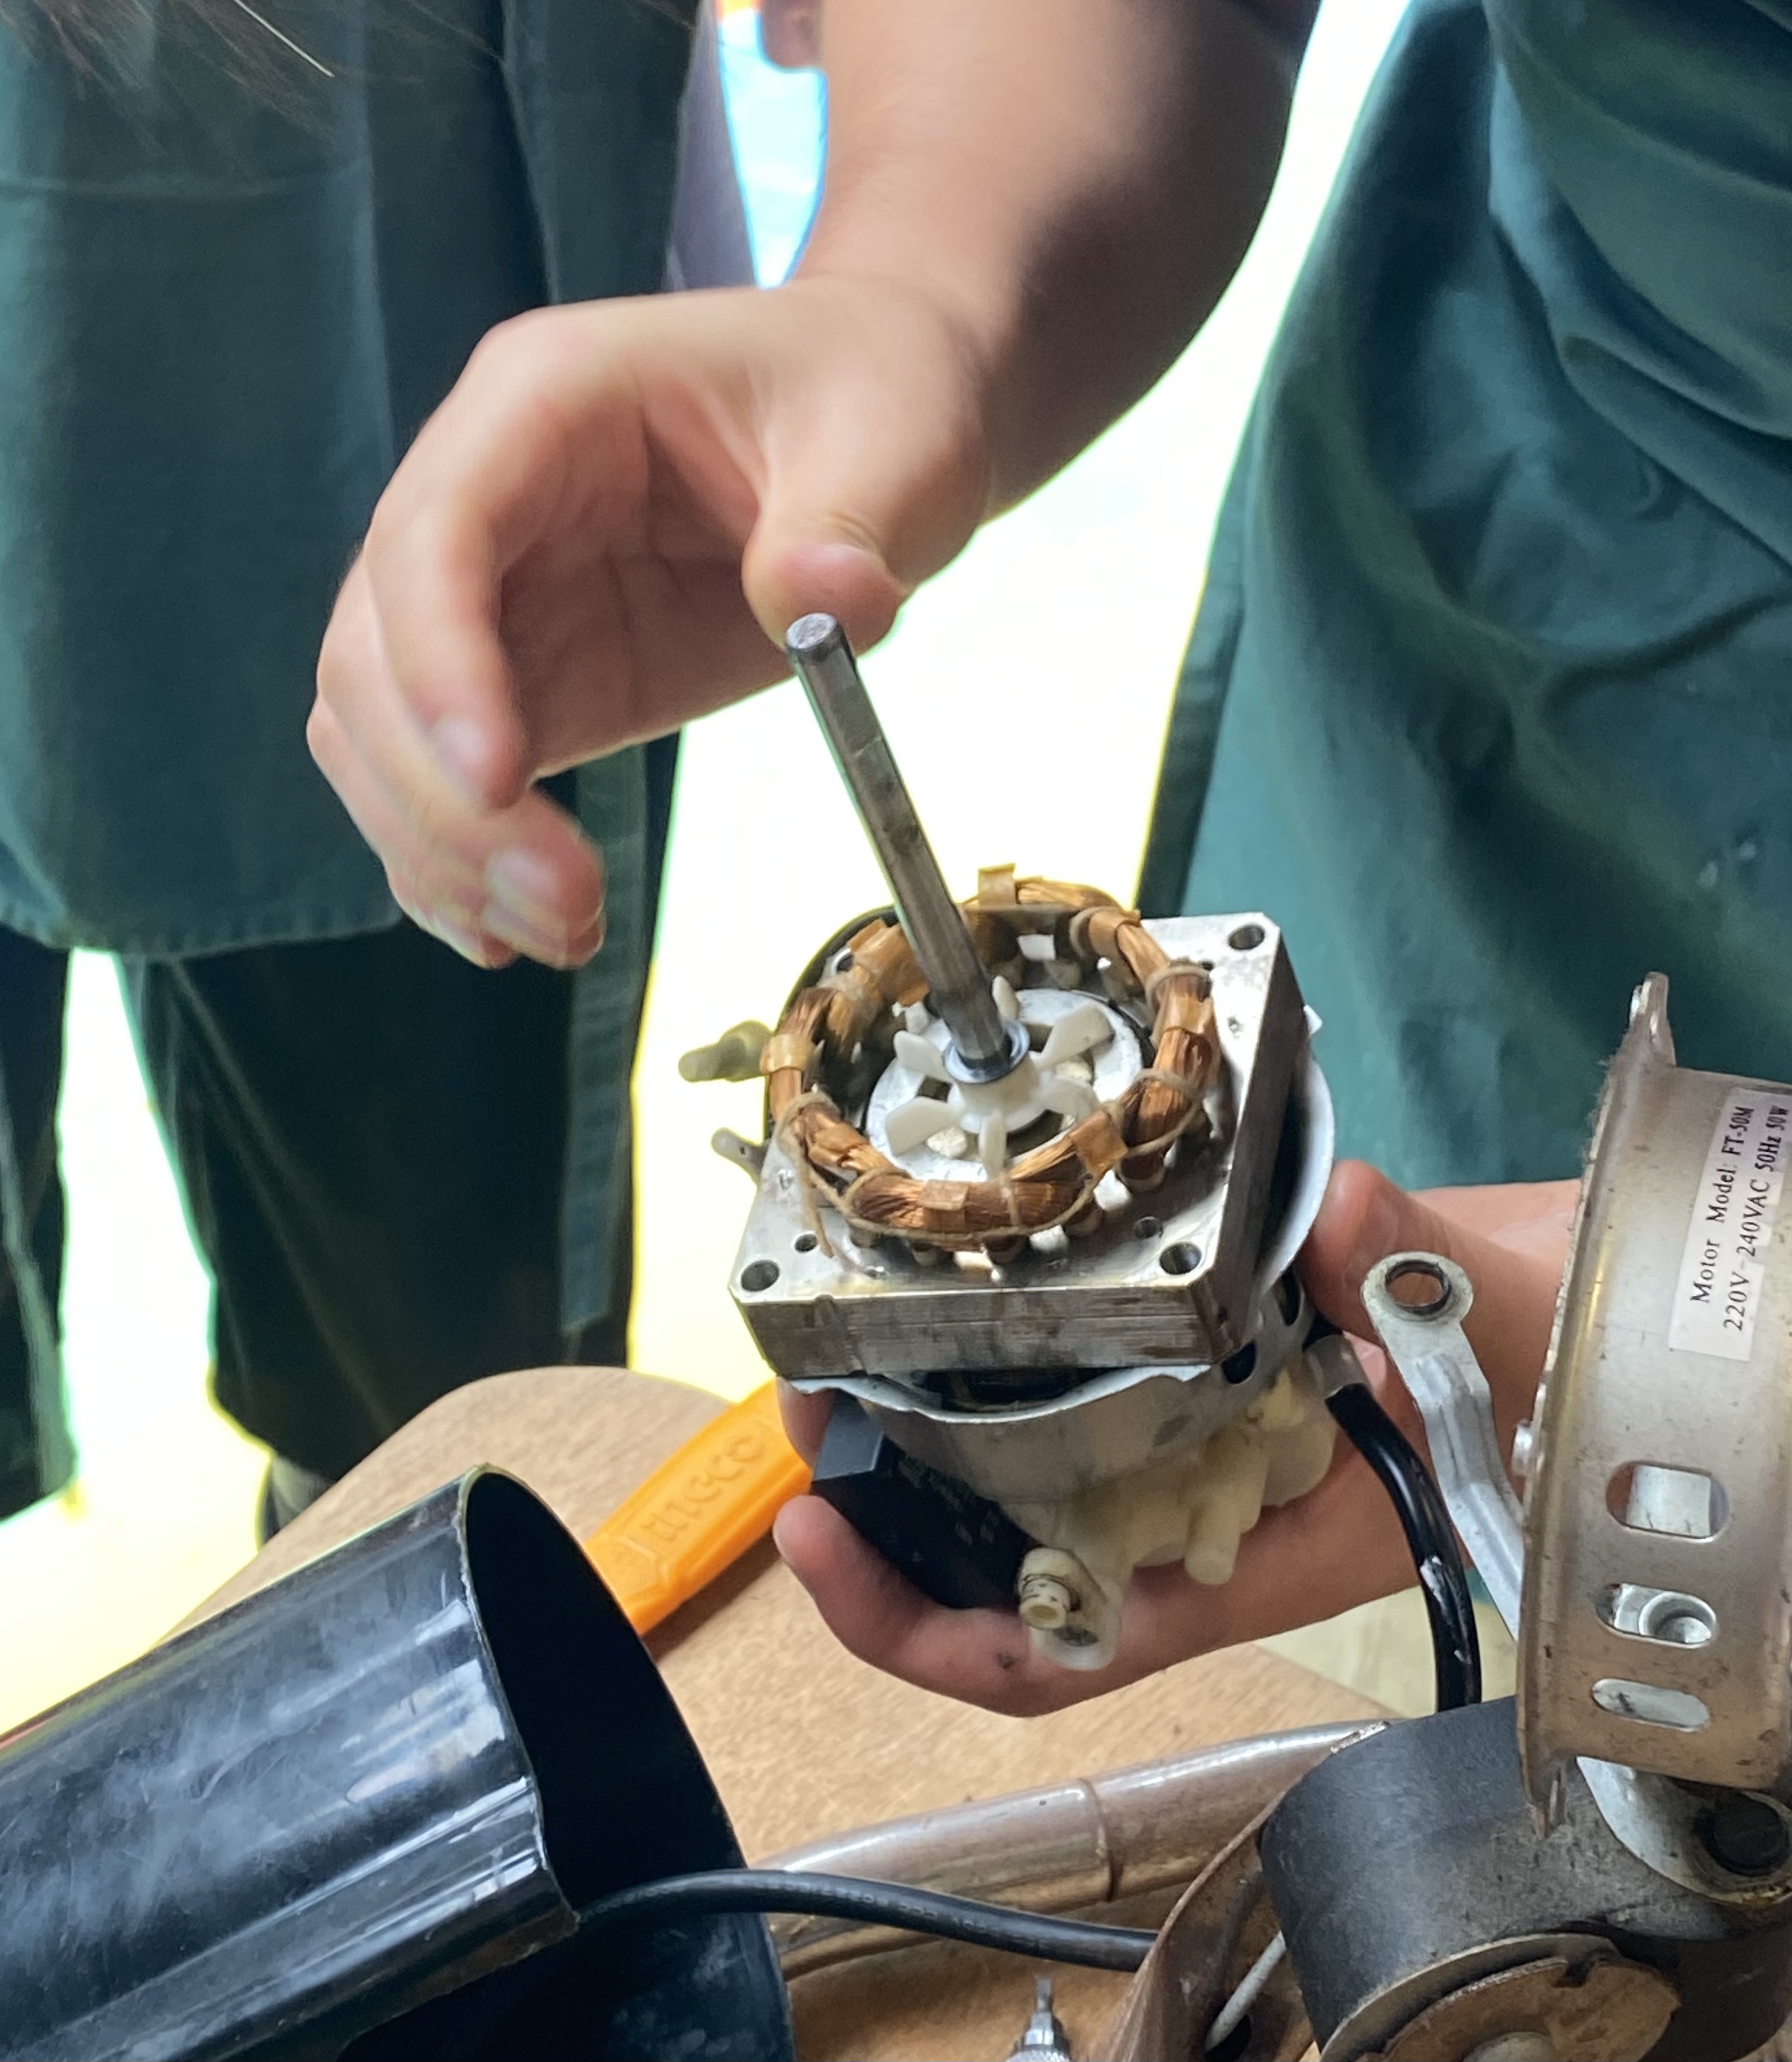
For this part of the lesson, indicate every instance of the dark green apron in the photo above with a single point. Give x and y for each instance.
(1489, 699)
(225, 309)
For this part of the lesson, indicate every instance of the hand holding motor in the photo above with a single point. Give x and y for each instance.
(1338, 1547)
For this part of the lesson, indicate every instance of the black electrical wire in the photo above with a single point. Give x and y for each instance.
(712, 1891)
(1431, 1538)
(674, 1897)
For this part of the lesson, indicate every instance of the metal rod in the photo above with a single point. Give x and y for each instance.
(982, 1043)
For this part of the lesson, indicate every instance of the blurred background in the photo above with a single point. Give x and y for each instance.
(1051, 646)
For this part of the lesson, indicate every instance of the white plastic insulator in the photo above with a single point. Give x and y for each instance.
(992, 1112)
(910, 1125)
(1193, 1509)
(921, 1057)
(1072, 1035)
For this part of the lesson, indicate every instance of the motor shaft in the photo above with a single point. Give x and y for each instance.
(984, 1044)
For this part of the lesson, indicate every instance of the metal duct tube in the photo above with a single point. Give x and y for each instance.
(1063, 1848)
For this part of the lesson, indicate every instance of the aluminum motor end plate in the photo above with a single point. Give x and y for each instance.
(1662, 1461)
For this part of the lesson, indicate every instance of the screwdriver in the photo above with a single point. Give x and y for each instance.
(699, 1511)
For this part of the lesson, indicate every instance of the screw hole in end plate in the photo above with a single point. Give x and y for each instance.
(758, 1274)
(1670, 1618)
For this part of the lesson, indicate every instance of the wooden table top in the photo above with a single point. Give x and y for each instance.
(801, 1739)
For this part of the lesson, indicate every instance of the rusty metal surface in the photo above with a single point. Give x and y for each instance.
(1221, 1925)
(1065, 1847)
(1596, 2007)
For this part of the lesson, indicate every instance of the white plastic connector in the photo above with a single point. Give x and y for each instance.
(1194, 1509)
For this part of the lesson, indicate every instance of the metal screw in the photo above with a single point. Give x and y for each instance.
(1043, 2039)
(1745, 1834)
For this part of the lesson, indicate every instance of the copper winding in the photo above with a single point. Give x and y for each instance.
(1055, 1184)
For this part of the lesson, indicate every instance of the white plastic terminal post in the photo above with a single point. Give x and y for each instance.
(1194, 1509)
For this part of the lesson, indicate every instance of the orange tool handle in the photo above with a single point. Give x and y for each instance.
(699, 1512)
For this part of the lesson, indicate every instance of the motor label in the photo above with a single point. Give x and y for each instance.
(1718, 1293)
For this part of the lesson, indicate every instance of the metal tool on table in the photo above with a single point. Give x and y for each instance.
(1043, 2038)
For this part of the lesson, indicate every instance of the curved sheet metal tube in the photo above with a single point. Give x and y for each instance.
(1066, 1847)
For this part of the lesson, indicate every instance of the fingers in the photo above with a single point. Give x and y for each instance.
(432, 580)
(980, 1657)
(1536, 1218)
(420, 723)
(491, 882)
(1365, 1217)
(558, 567)
(486, 477)
(1339, 1547)
(786, 576)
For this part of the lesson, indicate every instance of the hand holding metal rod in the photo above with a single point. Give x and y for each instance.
(984, 1046)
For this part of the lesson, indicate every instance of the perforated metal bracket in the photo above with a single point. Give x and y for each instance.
(1656, 1622)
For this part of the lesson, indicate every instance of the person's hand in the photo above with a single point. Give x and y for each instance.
(605, 531)
(1338, 1547)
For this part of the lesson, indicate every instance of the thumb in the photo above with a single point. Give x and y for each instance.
(794, 573)
(866, 494)
(805, 1419)
(1365, 1217)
